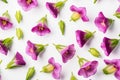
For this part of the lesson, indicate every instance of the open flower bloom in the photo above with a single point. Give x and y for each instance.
(102, 22)
(5, 45)
(16, 61)
(83, 36)
(88, 68)
(28, 4)
(34, 50)
(67, 52)
(108, 45)
(113, 66)
(41, 28)
(117, 13)
(53, 67)
(5, 23)
(54, 8)
(79, 12)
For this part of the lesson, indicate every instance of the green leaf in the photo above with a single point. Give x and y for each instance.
(6, 14)
(30, 73)
(19, 33)
(5, 1)
(62, 26)
(94, 52)
(73, 77)
(18, 16)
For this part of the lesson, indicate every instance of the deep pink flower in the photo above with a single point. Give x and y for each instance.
(54, 8)
(53, 67)
(5, 23)
(117, 12)
(5, 45)
(113, 66)
(88, 69)
(34, 50)
(16, 61)
(79, 12)
(41, 28)
(67, 52)
(83, 36)
(108, 45)
(28, 4)
(102, 22)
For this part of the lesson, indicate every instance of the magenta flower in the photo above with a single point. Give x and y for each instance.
(88, 68)
(79, 12)
(82, 37)
(34, 50)
(5, 45)
(54, 8)
(28, 4)
(16, 61)
(5, 23)
(113, 66)
(53, 67)
(67, 52)
(41, 28)
(117, 13)
(102, 22)
(108, 45)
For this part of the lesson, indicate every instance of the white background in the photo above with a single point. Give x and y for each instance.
(30, 18)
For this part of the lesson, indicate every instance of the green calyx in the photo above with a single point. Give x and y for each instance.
(6, 14)
(73, 77)
(5, 1)
(19, 33)
(43, 19)
(59, 47)
(75, 16)
(30, 73)
(48, 68)
(110, 21)
(18, 16)
(8, 42)
(11, 64)
(95, 1)
(117, 14)
(60, 4)
(40, 47)
(62, 26)
(109, 69)
(81, 61)
(94, 52)
(114, 43)
(0, 61)
(88, 34)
